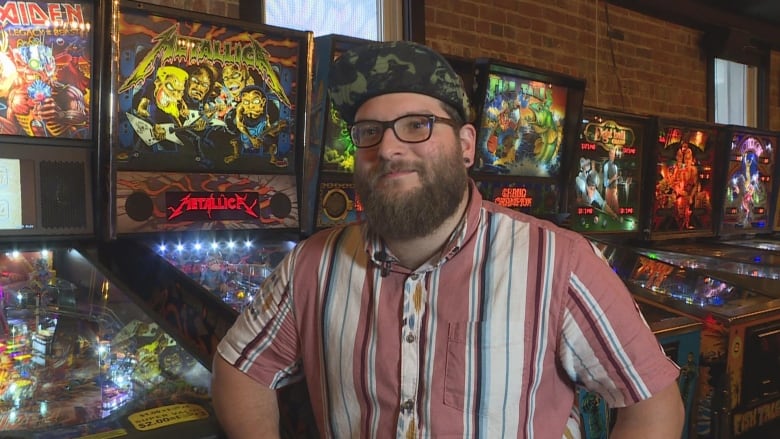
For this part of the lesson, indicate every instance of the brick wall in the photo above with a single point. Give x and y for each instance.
(658, 67)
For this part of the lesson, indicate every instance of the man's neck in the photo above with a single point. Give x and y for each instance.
(412, 253)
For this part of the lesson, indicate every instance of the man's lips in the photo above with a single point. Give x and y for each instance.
(397, 173)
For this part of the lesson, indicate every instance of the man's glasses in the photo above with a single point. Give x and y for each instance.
(411, 128)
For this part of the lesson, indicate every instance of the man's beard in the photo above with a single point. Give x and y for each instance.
(416, 213)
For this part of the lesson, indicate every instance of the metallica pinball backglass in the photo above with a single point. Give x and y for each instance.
(206, 93)
(209, 122)
(208, 125)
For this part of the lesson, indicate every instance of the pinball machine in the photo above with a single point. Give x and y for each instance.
(741, 249)
(526, 121)
(329, 194)
(606, 174)
(80, 355)
(604, 202)
(743, 245)
(205, 143)
(738, 369)
(736, 396)
(206, 135)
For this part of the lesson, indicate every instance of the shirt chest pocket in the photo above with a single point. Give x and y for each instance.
(484, 369)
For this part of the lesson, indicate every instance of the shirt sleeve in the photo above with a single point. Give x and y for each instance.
(606, 345)
(263, 342)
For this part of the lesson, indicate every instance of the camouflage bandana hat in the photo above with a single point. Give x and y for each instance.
(374, 69)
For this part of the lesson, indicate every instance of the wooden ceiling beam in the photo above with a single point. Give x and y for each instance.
(705, 17)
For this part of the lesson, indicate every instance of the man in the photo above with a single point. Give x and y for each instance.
(256, 127)
(588, 185)
(442, 315)
(234, 78)
(611, 177)
(160, 112)
(199, 98)
(580, 181)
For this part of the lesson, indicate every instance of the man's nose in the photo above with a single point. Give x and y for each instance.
(390, 144)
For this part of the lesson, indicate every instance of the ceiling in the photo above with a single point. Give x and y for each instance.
(744, 24)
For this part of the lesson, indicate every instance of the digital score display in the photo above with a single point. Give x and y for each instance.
(514, 197)
(749, 181)
(537, 199)
(605, 192)
(682, 185)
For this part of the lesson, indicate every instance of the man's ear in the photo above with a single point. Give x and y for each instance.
(467, 137)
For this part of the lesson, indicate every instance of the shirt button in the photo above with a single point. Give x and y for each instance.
(408, 405)
(410, 338)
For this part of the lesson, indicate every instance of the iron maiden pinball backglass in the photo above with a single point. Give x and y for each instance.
(45, 69)
(209, 122)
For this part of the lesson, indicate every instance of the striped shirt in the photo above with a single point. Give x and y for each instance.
(484, 340)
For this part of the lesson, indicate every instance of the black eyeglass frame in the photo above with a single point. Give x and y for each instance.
(385, 124)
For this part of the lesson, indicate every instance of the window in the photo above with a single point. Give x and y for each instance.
(735, 93)
(367, 19)
(738, 78)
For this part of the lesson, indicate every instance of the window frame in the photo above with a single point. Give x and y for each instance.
(735, 92)
(739, 48)
(412, 16)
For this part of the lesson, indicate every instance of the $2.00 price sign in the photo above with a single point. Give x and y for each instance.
(167, 415)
